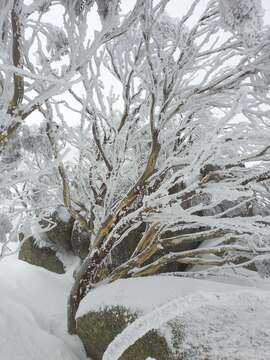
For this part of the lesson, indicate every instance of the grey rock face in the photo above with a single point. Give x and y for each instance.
(98, 329)
(80, 241)
(40, 256)
(60, 235)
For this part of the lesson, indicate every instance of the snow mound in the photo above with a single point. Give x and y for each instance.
(33, 314)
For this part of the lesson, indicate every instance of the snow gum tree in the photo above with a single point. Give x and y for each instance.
(175, 152)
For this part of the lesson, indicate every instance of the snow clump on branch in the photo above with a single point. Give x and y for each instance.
(243, 17)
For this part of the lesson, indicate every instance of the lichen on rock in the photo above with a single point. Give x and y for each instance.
(44, 256)
(97, 329)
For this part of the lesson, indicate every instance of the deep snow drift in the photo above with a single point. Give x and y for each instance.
(33, 314)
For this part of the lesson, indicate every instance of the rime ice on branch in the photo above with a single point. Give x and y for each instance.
(171, 166)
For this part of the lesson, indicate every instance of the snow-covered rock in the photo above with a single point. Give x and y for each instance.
(194, 319)
(43, 256)
(60, 234)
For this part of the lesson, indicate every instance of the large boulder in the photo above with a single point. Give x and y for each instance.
(97, 329)
(207, 320)
(43, 256)
(67, 234)
(108, 310)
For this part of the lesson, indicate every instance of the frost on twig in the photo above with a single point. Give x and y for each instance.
(168, 166)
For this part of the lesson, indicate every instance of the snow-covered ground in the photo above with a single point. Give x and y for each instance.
(33, 314)
(231, 313)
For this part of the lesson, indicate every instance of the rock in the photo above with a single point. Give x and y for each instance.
(98, 328)
(124, 250)
(45, 256)
(60, 235)
(195, 319)
(80, 241)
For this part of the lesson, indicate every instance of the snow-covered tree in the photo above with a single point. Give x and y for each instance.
(174, 156)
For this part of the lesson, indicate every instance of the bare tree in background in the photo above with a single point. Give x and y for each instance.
(178, 156)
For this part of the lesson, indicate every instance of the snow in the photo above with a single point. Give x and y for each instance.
(33, 314)
(63, 214)
(227, 319)
(226, 313)
(156, 290)
(242, 305)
